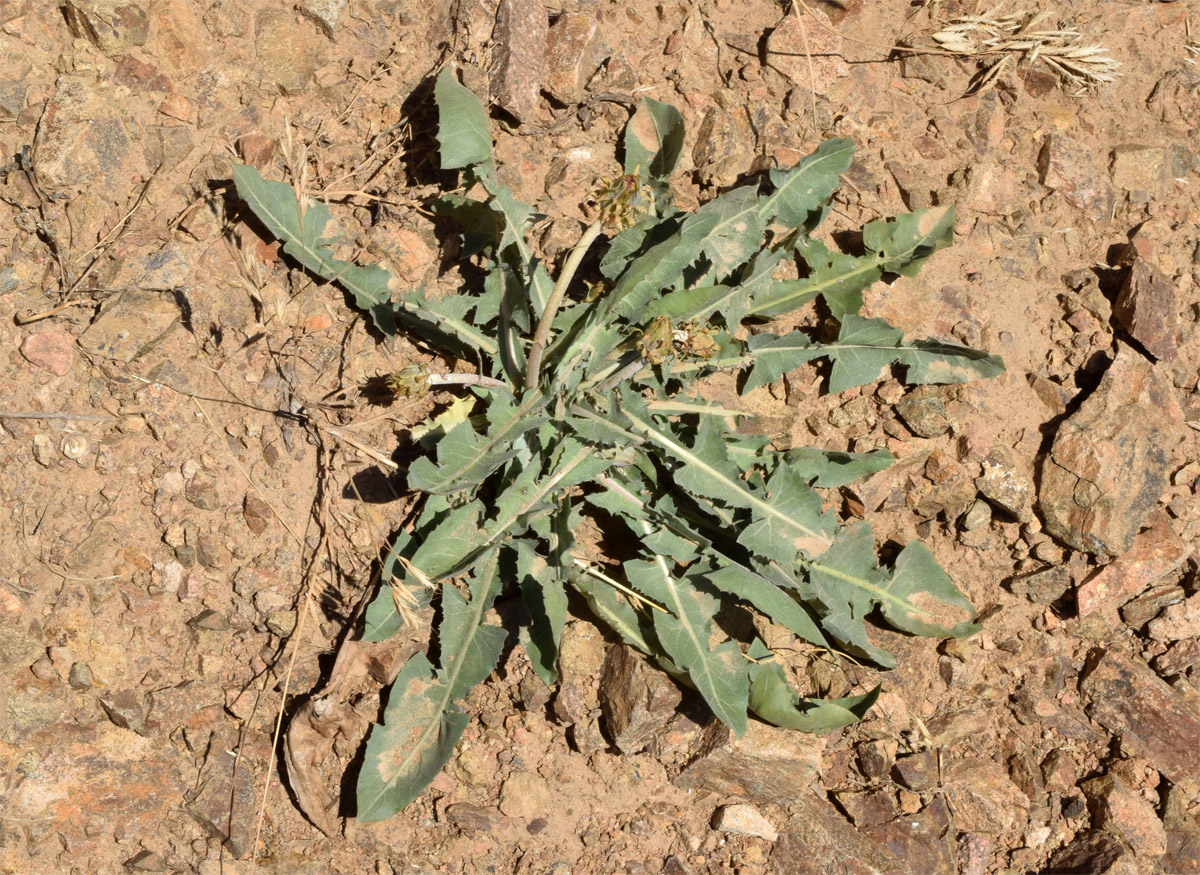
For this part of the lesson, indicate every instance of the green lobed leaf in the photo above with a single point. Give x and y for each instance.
(780, 605)
(653, 139)
(446, 321)
(795, 525)
(544, 597)
(846, 584)
(719, 672)
(930, 604)
(773, 699)
(465, 457)
(727, 230)
(898, 246)
(463, 134)
(829, 469)
(307, 236)
(805, 188)
(787, 521)
(867, 348)
(422, 721)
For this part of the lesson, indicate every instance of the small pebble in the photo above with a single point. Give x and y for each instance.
(743, 819)
(80, 676)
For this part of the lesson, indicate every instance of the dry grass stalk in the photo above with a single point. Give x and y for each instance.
(1018, 37)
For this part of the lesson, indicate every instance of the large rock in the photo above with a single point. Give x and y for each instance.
(1154, 721)
(98, 774)
(1156, 552)
(638, 700)
(1121, 810)
(112, 26)
(767, 764)
(518, 57)
(1071, 168)
(572, 54)
(84, 141)
(1111, 459)
(1148, 308)
(818, 840)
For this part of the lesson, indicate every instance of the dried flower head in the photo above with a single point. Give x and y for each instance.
(695, 340)
(623, 201)
(657, 340)
(409, 381)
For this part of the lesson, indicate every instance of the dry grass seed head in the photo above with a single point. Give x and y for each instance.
(1012, 35)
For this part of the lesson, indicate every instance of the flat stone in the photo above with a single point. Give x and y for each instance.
(916, 771)
(1156, 552)
(1178, 658)
(126, 709)
(226, 18)
(724, 145)
(993, 189)
(12, 101)
(951, 489)
(572, 54)
(257, 513)
(1177, 622)
(1043, 587)
(1139, 168)
(146, 861)
(877, 757)
(924, 411)
(1120, 809)
(525, 795)
(137, 74)
(818, 840)
(924, 840)
(83, 142)
(1110, 460)
(983, 797)
(131, 325)
(1094, 852)
(581, 658)
(178, 39)
(1138, 612)
(745, 820)
(1148, 308)
(638, 701)
(1005, 486)
(289, 55)
(210, 621)
(51, 351)
(137, 784)
(1071, 168)
(765, 765)
(112, 26)
(475, 818)
(795, 39)
(223, 804)
(867, 808)
(1155, 721)
(327, 13)
(518, 57)
(1183, 829)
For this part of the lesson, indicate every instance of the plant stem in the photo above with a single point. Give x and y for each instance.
(624, 374)
(465, 380)
(542, 334)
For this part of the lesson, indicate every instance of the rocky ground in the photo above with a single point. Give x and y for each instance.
(180, 561)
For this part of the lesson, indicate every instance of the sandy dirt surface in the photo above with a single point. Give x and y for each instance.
(166, 517)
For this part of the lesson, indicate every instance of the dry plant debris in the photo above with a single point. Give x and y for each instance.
(1005, 38)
